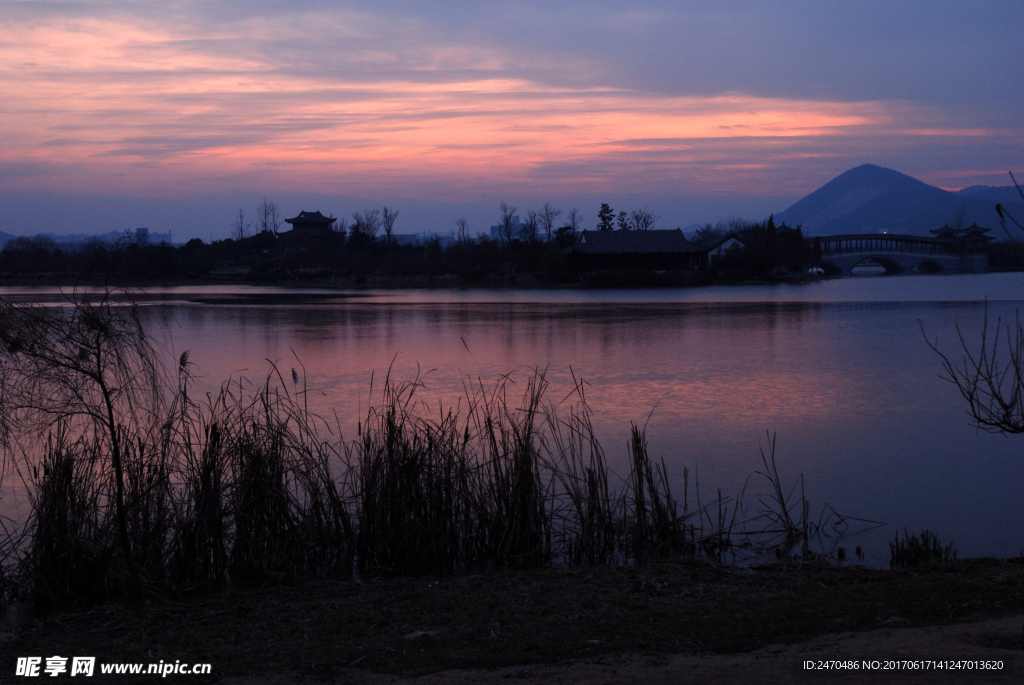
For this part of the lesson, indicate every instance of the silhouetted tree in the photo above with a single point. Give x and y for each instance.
(240, 227)
(529, 229)
(462, 231)
(505, 222)
(366, 223)
(90, 366)
(623, 221)
(340, 226)
(268, 217)
(548, 215)
(389, 222)
(567, 235)
(605, 218)
(709, 232)
(643, 219)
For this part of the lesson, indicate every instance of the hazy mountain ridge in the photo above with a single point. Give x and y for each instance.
(77, 240)
(873, 199)
(1003, 194)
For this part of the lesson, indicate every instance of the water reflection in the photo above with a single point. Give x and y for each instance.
(849, 386)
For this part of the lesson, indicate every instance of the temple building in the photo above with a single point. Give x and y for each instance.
(655, 249)
(311, 222)
(973, 238)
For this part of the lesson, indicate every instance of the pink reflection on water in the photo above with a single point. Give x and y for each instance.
(850, 387)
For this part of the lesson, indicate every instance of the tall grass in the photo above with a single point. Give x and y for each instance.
(919, 549)
(72, 545)
(588, 520)
(249, 486)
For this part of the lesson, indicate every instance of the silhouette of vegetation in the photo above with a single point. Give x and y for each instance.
(136, 487)
(605, 218)
(918, 549)
(365, 252)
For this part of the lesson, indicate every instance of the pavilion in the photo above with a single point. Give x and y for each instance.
(311, 222)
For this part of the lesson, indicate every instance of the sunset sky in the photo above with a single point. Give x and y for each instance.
(171, 115)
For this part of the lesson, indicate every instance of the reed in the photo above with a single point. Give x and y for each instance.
(454, 493)
(150, 491)
(655, 528)
(415, 488)
(71, 547)
(587, 515)
(918, 549)
(265, 483)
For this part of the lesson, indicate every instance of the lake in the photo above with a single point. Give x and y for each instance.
(838, 370)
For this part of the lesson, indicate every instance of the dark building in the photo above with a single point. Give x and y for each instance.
(658, 250)
(311, 222)
(974, 238)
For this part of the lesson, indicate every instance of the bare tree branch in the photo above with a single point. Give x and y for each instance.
(390, 215)
(89, 365)
(506, 221)
(548, 216)
(240, 227)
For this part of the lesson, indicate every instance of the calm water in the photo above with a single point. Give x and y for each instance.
(839, 370)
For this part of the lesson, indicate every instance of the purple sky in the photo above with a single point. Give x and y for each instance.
(172, 115)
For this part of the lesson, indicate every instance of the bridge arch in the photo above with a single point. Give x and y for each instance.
(890, 265)
(831, 268)
(898, 253)
(928, 266)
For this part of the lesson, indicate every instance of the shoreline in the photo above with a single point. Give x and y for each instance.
(531, 621)
(442, 284)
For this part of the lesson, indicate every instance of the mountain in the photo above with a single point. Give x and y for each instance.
(4, 237)
(873, 199)
(1002, 194)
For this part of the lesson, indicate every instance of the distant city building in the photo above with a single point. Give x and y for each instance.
(517, 227)
(144, 236)
(311, 222)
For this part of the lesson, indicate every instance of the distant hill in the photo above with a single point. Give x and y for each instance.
(74, 241)
(1003, 194)
(872, 199)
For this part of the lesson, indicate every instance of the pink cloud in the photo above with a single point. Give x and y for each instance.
(95, 104)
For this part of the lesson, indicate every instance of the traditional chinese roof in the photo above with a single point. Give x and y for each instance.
(634, 242)
(314, 218)
(946, 230)
(974, 232)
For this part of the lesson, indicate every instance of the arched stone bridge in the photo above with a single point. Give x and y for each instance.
(899, 253)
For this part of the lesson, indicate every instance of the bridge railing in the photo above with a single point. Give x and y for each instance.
(895, 244)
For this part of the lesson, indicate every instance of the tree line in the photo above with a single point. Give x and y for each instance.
(362, 249)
